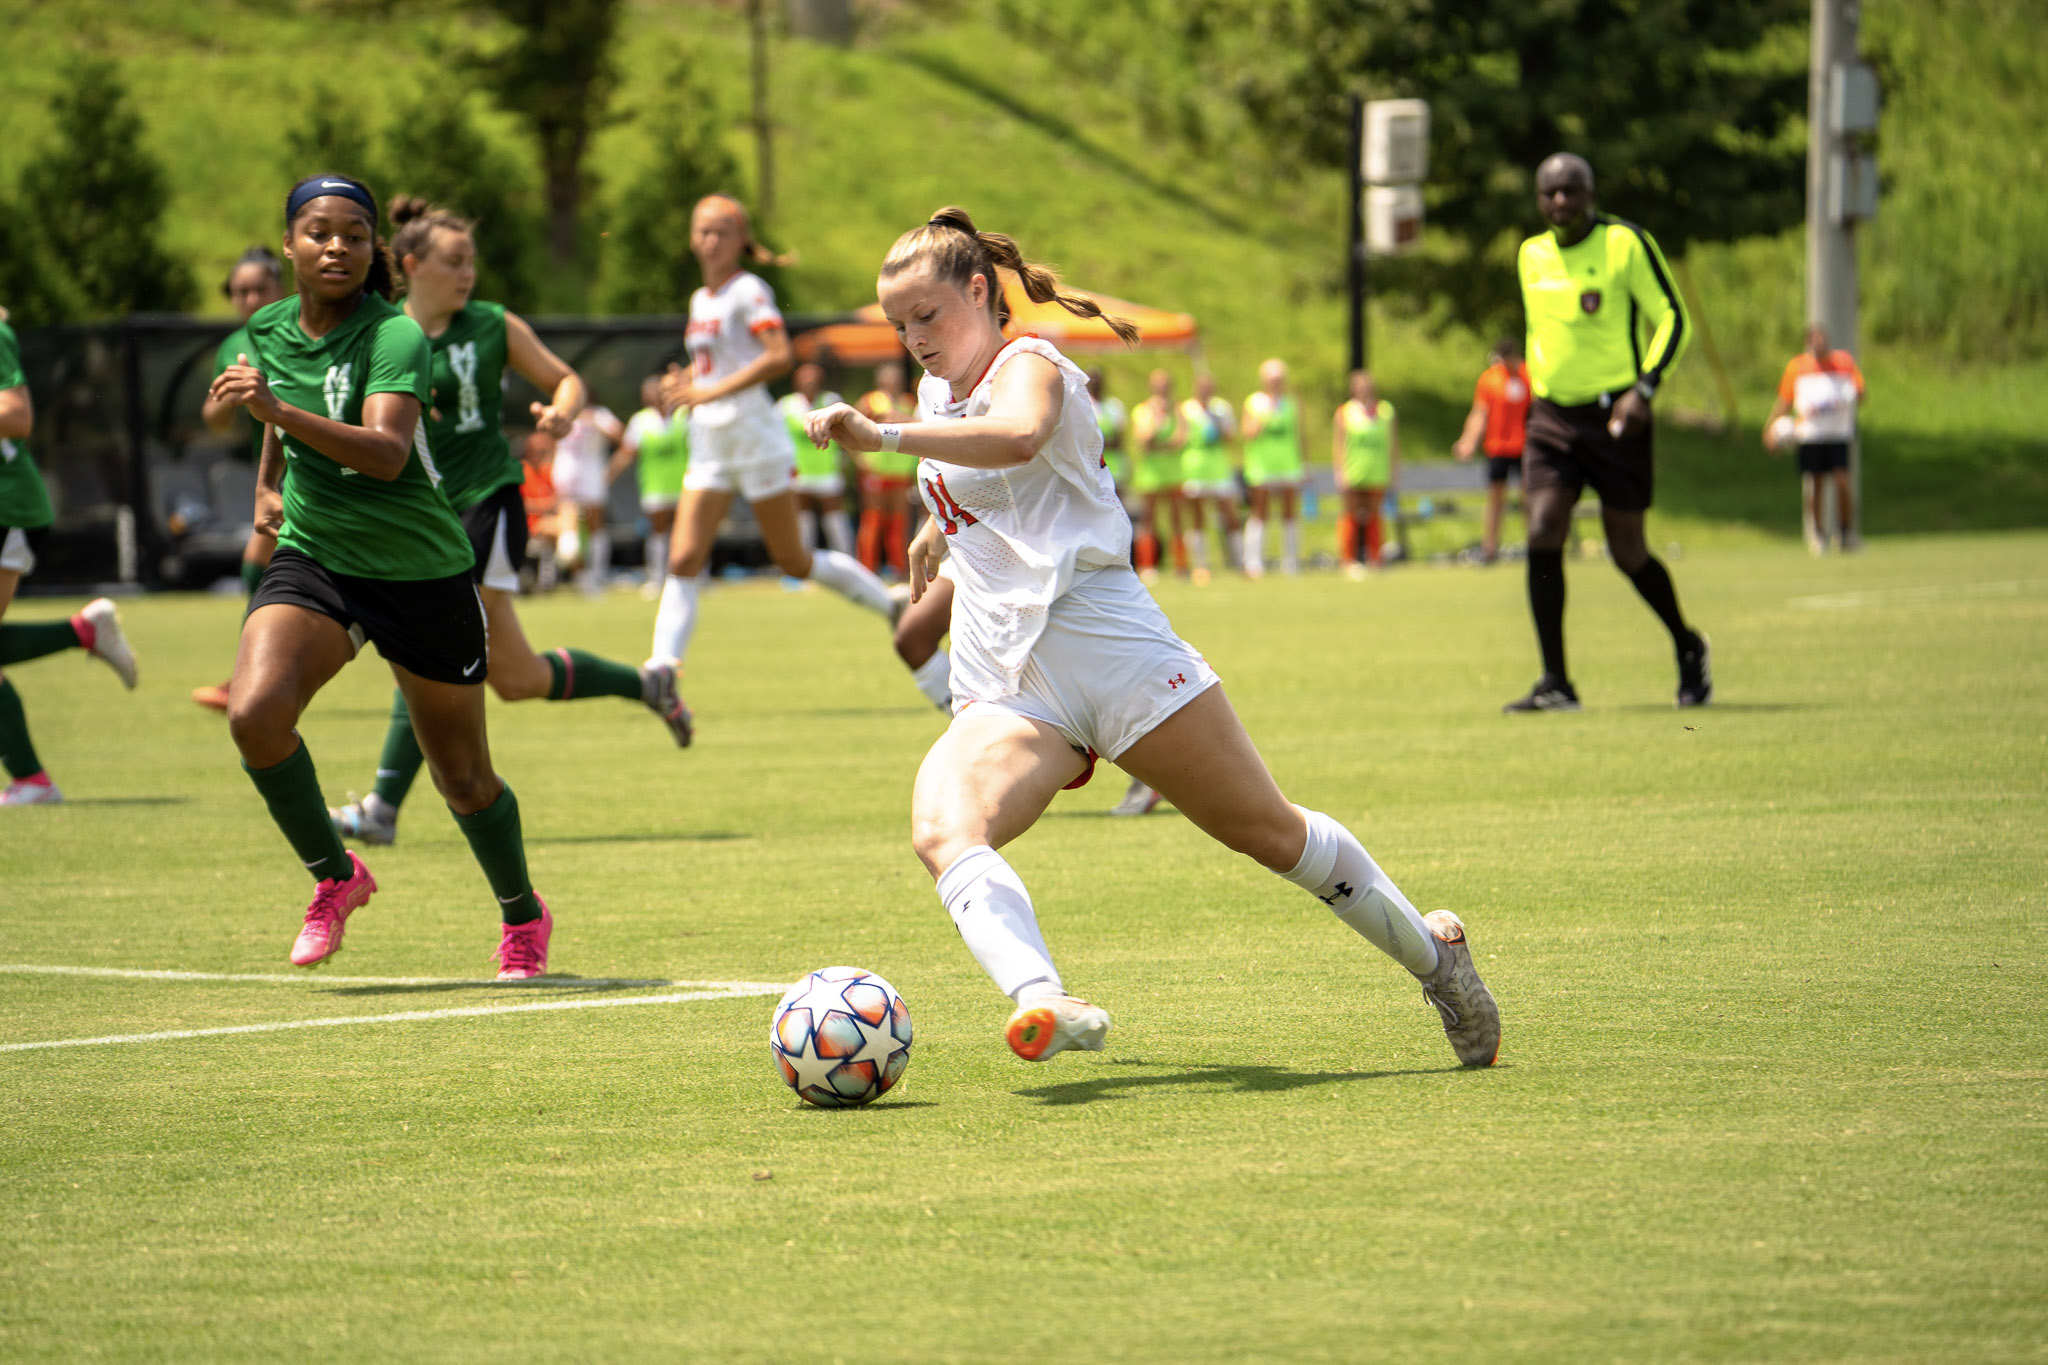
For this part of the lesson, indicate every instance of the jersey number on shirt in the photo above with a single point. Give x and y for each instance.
(339, 382)
(469, 413)
(951, 515)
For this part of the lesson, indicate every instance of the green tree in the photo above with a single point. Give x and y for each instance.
(31, 286)
(1691, 112)
(645, 265)
(434, 149)
(93, 198)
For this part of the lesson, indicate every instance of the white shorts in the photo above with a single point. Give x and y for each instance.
(750, 456)
(1107, 670)
(578, 479)
(15, 555)
(821, 485)
(1225, 490)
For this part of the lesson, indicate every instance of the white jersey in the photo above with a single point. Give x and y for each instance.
(646, 422)
(1019, 536)
(724, 337)
(586, 443)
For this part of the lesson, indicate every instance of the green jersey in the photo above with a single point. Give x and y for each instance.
(811, 462)
(465, 422)
(1368, 445)
(1205, 460)
(1274, 455)
(1603, 312)
(237, 343)
(24, 502)
(402, 530)
(661, 446)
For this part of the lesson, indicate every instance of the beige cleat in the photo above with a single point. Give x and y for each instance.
(1053, 1024)
(1471, 1019)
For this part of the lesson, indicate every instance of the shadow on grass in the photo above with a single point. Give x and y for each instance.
(126, 800)
(688, 836)
(1712, 709)
(1241, 1080)
(880, 1106)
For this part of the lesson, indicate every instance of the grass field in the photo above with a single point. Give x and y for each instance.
(1772, 1085)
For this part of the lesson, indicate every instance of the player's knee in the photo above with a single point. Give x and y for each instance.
(466, 787)
(796, 563)
(260, 723)
(937, 840)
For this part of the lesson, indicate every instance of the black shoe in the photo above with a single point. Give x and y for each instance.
(1549, 694)
(1695, 675)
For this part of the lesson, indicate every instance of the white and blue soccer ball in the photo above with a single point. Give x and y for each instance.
(841, 1037)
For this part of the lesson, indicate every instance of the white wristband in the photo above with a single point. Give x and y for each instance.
(892, 436)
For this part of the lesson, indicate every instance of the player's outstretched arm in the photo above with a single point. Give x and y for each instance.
(548, 372)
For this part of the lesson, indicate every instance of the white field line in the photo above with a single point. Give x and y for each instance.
(318, 978)
(1889, 597)
(734, 990)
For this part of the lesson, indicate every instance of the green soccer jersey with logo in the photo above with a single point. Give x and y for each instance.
(24, 502)
(402, 530)
(811, 462)
(1603, 312)
(465, 427)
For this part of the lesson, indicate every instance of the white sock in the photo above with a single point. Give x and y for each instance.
(934, 678)
(1198, 547)
(992, 911)
(676, 618)
(848, 577)
(657, 555)
(1336, 870)
(839, 531)
(600, 555)
(807, 526)
(1290, 560)
(544, 576)
(1254, 553)
(569, 545)
(1233, 550)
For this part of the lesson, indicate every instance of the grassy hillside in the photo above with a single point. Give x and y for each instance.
(944, 104)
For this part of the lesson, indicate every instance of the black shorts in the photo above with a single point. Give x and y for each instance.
(1822, 457)
(1569, 447)
(1498, 467)
(497, 537)
(430, 626)
(18, 547)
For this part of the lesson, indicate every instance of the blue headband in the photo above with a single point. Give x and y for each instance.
(306, 191)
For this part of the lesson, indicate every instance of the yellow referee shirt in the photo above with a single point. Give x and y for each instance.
(1590, 306)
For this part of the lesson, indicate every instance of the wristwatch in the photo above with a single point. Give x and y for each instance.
(1646, 389)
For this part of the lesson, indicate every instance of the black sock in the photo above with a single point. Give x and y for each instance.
(1653, 581)
(1546, 604)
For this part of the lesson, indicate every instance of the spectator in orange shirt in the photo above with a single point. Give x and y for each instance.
(537, 491)
(1500, 411)
(1816, 410)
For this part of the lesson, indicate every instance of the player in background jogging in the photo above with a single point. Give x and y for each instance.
(1208, 478)
(885, 475)
(1820, 390)
(473, 344)
(368, 548)
(657, 446)
(1113, 420)
(583, 464)
(1275, 463)
(820, 477)
(1365, 456)
(1060, 655)
(257, 279)
(25, 518)
(1496, 424)
(738, 444)
(1158, 435)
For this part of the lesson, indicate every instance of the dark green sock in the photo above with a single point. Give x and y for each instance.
(292, 791)
(19, 644)
(494, 838)
(577, 675)
(400, 762)
(17, 754)
(252, 574)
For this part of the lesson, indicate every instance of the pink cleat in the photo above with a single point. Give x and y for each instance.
(523, 952)
(328, 915)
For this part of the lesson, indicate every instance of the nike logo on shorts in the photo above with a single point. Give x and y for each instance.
(472, 668)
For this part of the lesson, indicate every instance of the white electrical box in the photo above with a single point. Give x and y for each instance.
(1852, 187)
(1396, 142)
(1393, 219)
(1852, 98)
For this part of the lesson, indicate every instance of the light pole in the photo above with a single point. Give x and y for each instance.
(1841, 182)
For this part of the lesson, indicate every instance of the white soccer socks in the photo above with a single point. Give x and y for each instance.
(1336, 870)
(850, 578)
(1254, 546)
(657, 556)
(839, 531)
(992, 911)
(1290, 555)
(934, 678)
(1198, 547)
(676, 618)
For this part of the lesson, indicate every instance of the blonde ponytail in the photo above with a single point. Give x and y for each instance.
(957, 251)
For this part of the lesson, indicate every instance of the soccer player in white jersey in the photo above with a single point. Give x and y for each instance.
(1060, 655)
(583, 483)
(738, 443)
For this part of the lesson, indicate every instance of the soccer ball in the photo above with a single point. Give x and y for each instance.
(1781, 432)
(841, 1037)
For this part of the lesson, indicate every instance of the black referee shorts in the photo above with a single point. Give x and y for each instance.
(1823, 457)
(1499, 467)
(1570, 447)
(430, 626)
(497, 537)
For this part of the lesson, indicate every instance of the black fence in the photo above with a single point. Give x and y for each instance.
(144, 494)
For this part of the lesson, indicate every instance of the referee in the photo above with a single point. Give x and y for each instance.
(1593, 287)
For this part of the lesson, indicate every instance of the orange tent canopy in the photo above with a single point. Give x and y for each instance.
(870, 340)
